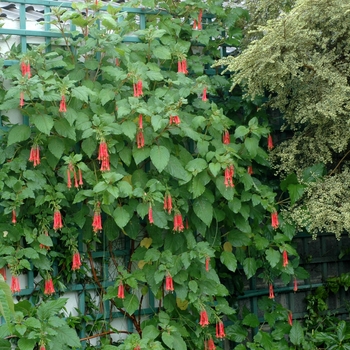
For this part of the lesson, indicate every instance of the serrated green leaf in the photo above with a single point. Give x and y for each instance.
(295, 192)
(251, 145)
(82, 93)
(18, 133)
(131, 303)
(229, 260)
(129, 129)
(296, 334)
(241, 131)
(160, 156)
(150, 332)
(26, 344)
(273, 256)
(44, 123)
(251, 320)
(249, 266)
(56, 146)
(162, 52)
(121, 217)
(203, 209)
(196, 165)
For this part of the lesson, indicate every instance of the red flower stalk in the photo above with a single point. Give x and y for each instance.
(69, 181)
(81, 183)
(57, 220)
(174, 120)
(285, 258)
(138, 89)
(14, 218)
(140, 122)
(269, 143)
(210, 344)
(63, 107)
(76, 262)
(271, 293)
(34, 155)
(169, 285)
(150, 214)
(49, 288)
(103, 156)
(274, 220)
(168, 203)
(178, 223)
(76, 184)
(97, 222)
(195, 24)
(21, 99)
(207, 261)
(203, 318)
(200, 14)
(140, 139)
(226, 137)
(250, 170)
(15, 287)
(121, 294)
(290, 318)
(295, 285)
(204, 96)
(23, 68)
(3, 273)
(229, 172)
(220, 330)
(179, 66)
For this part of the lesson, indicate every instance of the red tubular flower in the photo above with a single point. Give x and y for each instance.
(195, 24)
(57, 220)
(76, 262)
(138, 88)
(207, 261)
(97, 222)
(200, 14)
(179, 66)
(168, 203)
(220, 330)
(295, 285)
(63, 107)
(174, 120)
(69, 181)
(184, 66)
(137, 347)
(140, 139)
(274, 220)
(203, 318)
(14, 218)
(150, 214)
(81, 183)
(103, 156)
(15, 287)
(226, 137)
(210, 344)
(117, 62)
(169, 285)
(229, 172)
(21, 99)
(34, 155)
(140, 122)
(178, 222)
(269, 143)
(204, 95)
(49, 288)
(121, 294)
(3, 273)
(250, 170)
(285, 258)
(76, 184)
(290, 318)
(42, 347)
(23, 68)
(271, 293)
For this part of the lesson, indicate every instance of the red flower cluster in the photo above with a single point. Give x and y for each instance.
(121, 294)
(174, 119)
(209, 344)
(204, 95)
(182, 66)
(49, 288)
(290, 318)
(169, 284)
(285, 258)
(34, 155)
(229, 172)
(57, 220)
(269, 143)
(274, 220)
(203, 318)
(168, 203)
(76, 262)
(25, 69)
(138, 89)
(77, 183)
(150, 214)
(97, 220)
(197, 24)
(15, 287)
(220, 330)
(14, 218)
(63, 107)
(226, 137)
(178, 223)
(103, 156)
(207, 261)
(271, 293)
(250, 170)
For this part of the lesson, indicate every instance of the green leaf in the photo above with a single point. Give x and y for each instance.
(162, 52)
(131, 303)
(6, 302)
(273, 256)
(168, 340)
(249, 266)
(56, 146)
(44, 123)
(295, 192)
(215, 168)
(66, 336)
(203, 209)
(129, 129)
(196, 165)
(82, 93)
(18, 133)
(5, 345)
(26, 344)
(251, 320)
(50, 308)
(175, 169)
(121, 217)
(241, 131)
(251, 145)
(160, 157)
(150, 332)
(229, 260)
(89, 146)
(296, 334)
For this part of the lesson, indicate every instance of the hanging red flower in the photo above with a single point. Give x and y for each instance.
(169, 284)
(34, 155)
(57, 220)
(138, 89)
(250, 170)
(271, 293)
(178, 222)
(174, 120)
(121, 293)
(220, 330)
(140, 122)
(182, 66)
(117, 62)
(3, 273)
(49, 288)
(14, 218)
(63, 107)
(150, 214)
(76, 184)
(203, 318)
(207, 261)
(269, 143)
(204, 95)
(209, 345)
(76, 261)
(15, 286)
(168, 203)
(274, 220)
(25, 69)
(137, 347)
(200, 14)
(229, 172)
(69, 181)
(285, 258)
(42, 347)
(97, 220)
(295, 285)
(81, 183)
(103, 156)
(226, 137)
(290, 318)
(140, 139)
(21, 99)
